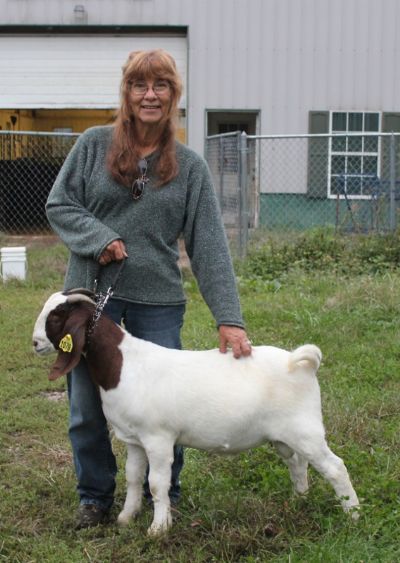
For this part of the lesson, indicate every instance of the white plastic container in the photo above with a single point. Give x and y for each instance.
(13, 262)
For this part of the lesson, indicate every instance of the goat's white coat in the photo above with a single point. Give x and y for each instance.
(212, 401)
(208, 400)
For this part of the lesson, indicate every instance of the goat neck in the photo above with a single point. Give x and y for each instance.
(103, 356)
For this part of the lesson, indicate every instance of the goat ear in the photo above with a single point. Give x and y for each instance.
(64, 363)
(71, 344)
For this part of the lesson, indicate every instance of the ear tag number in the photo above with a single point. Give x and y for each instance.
(66, 343)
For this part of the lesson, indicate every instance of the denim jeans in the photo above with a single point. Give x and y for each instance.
(94, 460)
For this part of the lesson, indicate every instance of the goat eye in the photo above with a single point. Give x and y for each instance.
(55, 321)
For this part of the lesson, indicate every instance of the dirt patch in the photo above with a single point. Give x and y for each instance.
(30, 241)
(54, 395)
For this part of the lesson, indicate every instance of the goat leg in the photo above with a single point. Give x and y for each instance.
(160, 462)
(135, 469)
(331, 467)
(297, 466)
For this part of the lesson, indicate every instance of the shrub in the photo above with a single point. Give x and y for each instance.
(321, 250)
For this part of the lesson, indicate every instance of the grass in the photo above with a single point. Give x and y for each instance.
(234, 508)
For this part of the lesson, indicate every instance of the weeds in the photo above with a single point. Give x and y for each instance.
(322, 250)
(341, 294)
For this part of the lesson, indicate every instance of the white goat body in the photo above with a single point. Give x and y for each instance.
(207, 400)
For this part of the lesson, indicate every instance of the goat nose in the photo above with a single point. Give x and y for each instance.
(34, 343)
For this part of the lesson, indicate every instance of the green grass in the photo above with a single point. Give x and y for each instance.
(233, 508)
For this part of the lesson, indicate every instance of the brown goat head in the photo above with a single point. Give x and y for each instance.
(66, 329)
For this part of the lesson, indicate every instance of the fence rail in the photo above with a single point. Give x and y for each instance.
(280, 183)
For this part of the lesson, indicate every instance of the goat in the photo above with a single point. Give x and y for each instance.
(155, 397)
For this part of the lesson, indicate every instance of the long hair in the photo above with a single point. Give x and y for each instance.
(123, 156)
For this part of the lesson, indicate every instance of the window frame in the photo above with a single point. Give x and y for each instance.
(346, 153)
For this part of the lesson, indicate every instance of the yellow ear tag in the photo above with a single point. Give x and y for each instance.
(66, 343)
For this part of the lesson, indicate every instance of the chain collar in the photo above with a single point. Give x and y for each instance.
(101, 300)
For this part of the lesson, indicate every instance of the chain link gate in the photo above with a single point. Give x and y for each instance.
(285, 184)
(233, 167)
(29, 164)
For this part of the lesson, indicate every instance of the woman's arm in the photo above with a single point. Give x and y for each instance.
(208, 250)
(66, 209)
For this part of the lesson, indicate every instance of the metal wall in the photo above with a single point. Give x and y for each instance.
(282, 57)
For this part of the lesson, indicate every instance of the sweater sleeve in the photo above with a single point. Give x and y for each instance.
(207, 247)
(67, 213)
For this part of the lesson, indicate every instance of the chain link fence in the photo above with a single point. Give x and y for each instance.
(29, 164)
(285, 184)
(278, 184)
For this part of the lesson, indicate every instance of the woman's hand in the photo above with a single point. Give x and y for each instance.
(115, 251)
(237, 339)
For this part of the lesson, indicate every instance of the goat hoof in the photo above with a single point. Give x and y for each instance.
(355, 513)
(123, 519)
(301, 491)
(157, 530)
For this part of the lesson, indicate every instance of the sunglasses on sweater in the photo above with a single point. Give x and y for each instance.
(139, 184)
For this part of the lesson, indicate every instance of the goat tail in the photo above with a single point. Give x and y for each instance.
(308, 353)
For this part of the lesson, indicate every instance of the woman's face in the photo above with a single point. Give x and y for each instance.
(150, 101)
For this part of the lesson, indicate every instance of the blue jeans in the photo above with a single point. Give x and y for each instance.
(94, 460)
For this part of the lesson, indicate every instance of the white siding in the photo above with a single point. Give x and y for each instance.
(282, 57)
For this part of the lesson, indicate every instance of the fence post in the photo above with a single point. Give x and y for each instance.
(392, 189)
(243, 204)
(221, 170)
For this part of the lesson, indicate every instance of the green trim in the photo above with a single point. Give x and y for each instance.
(318, 155)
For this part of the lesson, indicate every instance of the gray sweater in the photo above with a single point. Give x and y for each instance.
(89, 209)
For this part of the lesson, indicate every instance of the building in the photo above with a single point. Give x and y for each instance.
(263, 66)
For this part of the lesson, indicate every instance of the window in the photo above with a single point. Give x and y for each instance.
(354, 156)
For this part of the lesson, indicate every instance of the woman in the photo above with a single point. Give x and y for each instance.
(128, 192)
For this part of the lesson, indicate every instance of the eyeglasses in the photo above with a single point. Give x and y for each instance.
(159, 87)
(139, 184)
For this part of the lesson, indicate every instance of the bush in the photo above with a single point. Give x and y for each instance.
(322, 250)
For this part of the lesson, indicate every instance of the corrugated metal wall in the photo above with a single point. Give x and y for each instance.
(282, 57)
